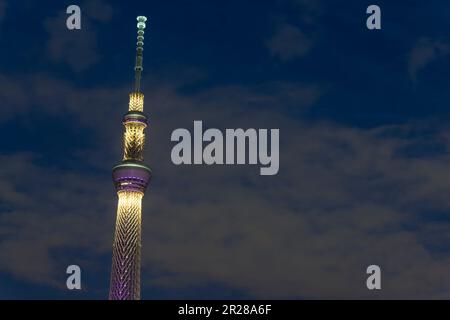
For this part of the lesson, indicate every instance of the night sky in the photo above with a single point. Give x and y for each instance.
(364, 119)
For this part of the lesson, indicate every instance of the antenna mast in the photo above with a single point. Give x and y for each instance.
(139, 50)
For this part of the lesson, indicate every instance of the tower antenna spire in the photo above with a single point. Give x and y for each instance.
(139, 50)
(131, 178)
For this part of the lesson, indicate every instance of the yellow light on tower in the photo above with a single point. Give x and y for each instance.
(134, 140)
(128, 242)
(136, 102)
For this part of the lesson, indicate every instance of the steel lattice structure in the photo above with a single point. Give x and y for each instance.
(131, 178)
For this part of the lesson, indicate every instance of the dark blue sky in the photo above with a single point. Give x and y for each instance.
(363, 118)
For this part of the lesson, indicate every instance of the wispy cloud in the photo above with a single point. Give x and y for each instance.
(45, 216)
(309, 10)
(99, 10)
(344, 198)
(77, 48)
(342, 202)
(288, 43)
(424, 53)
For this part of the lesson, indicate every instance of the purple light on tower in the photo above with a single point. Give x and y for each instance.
(131, 178)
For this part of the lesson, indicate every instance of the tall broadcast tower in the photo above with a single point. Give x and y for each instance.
(131, 178)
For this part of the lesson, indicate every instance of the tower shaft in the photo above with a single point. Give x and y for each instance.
(131, 178)
(125, 277)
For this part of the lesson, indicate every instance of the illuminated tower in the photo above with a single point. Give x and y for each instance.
(131, 178)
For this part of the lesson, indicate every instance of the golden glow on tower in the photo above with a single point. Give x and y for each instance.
(127, 246)
(136, 102)
(125, 274)
(133, 141)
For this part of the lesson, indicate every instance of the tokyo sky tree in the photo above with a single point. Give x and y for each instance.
(131, 178)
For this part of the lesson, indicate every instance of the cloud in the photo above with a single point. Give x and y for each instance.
(52, 211)
(308, 10)
(99, 10)
(288, 43)
(424, 53)
(344, 198)
(291, 96)
(340, 203)
(41, 212)
(77, 48)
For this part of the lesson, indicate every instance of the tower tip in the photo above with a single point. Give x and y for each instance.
(141, 25)
(141, 22)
